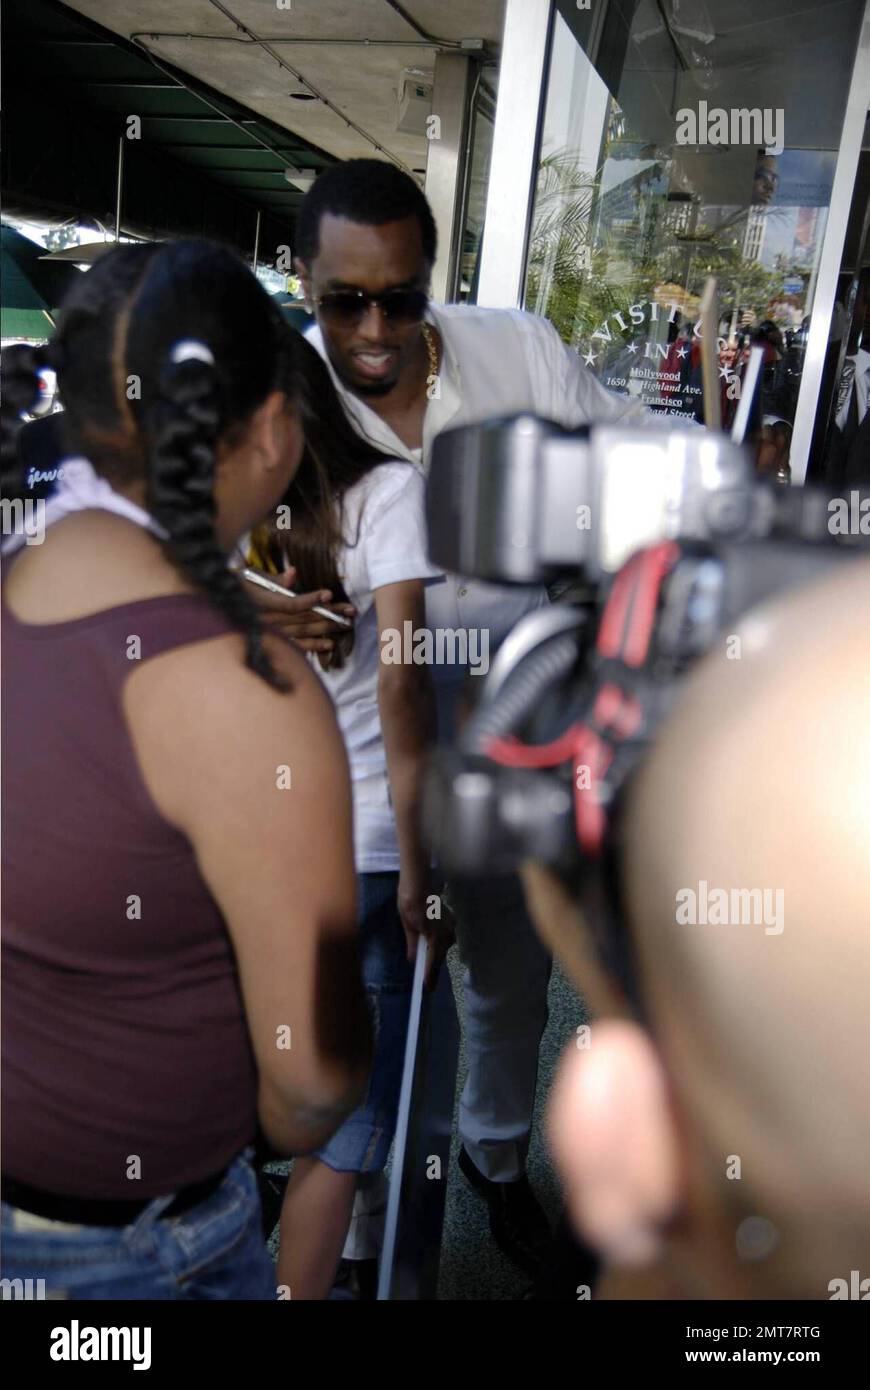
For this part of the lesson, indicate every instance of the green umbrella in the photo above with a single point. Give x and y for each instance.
(30, 289)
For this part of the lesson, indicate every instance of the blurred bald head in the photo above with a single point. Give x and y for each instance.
(747, 879)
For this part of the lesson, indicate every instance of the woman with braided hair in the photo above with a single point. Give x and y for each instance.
(359, 530)
(180, 961)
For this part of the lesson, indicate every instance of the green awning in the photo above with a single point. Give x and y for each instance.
(30, 289)
(25, 323)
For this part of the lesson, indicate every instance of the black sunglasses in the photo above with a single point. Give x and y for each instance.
(347, 307)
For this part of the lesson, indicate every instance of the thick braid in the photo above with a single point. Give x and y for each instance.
(182, 428)
(20, 391)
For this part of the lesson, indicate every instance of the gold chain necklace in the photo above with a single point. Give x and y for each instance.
(431, 347)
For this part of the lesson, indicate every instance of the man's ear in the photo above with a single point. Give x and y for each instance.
(613, 1136)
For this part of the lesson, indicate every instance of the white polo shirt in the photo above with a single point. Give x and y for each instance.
(495, 362)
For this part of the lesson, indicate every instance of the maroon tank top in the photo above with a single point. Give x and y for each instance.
(124, 1035)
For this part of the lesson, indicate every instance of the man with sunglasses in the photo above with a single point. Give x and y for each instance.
(406, 370)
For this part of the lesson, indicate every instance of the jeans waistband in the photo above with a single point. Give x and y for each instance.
(88, 1211)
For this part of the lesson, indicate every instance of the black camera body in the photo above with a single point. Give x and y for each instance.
(671, 538)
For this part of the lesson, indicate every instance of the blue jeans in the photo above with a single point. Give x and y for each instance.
(215, 1250)
(362, 1143)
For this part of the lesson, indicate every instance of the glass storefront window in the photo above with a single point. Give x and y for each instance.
(683, 139)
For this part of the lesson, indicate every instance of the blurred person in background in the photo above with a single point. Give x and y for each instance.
(193, 908)
(766, 179)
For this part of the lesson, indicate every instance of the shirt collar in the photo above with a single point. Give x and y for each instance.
(80, 488)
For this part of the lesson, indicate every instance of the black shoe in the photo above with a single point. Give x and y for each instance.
(516, 1220)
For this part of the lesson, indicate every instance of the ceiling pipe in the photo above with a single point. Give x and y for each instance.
(352, 125)
(423, 40)
(313, 43)
(418, 29)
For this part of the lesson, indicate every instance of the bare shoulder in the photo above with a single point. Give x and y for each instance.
(205, 726)
(89, 562)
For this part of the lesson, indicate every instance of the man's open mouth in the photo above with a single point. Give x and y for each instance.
(375, 363)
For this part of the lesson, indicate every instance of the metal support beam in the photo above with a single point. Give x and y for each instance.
(514, 149)
(445, 167)
(822, 311)
(120, 187)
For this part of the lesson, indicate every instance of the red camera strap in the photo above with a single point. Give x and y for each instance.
(624, 638)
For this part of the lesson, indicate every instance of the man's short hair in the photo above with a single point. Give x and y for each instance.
(368, 191)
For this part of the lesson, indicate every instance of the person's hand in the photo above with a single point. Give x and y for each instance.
(292, 616)
(413, 898)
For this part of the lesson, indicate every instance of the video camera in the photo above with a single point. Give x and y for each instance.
(670, 537)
